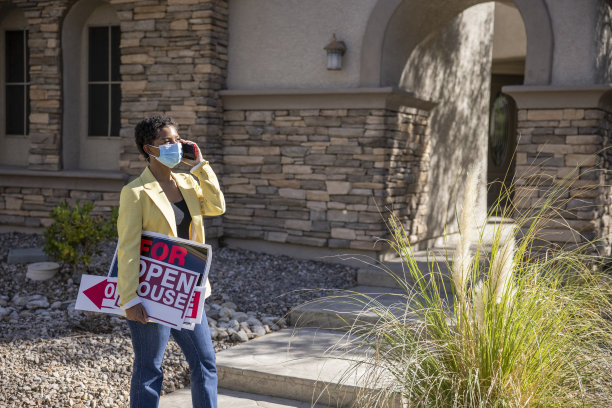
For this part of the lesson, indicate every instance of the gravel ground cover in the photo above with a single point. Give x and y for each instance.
(54, 356)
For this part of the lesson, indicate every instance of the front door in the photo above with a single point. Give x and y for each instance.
(502, 140)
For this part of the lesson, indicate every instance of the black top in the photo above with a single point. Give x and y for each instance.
(183, 218)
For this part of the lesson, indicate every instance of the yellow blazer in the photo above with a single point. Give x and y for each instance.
(144, 206)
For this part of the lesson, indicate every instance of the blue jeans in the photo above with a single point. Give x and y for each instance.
(149, 342)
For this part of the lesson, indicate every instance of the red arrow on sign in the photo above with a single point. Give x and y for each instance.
(96, 293)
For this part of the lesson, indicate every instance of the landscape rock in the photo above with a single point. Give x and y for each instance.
(234, 325)
(225, 313)
(214, 334)
(241, 316)
(222, 334)
(258, 331)
(56, 305)
(37, 302)
(5, 311)
(270, 320)
(240, 336)
(56, 356)
(229, 305)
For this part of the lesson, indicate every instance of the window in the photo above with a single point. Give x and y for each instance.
(17, 82)
(500, 127)
(92, 87)
(104, 82)
(14, 88)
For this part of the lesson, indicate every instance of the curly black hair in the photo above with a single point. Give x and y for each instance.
(147, 129)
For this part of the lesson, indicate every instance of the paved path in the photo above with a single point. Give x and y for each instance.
(233, 399)
(302, 365)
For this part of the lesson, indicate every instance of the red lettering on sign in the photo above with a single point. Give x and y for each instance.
(145, 245)
(194, 304)
(100, 291)
(155, 251)
(179, 253)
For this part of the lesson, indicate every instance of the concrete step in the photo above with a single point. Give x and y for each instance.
(392, 273)
(233, 399)
(302, 365)
(342, 311)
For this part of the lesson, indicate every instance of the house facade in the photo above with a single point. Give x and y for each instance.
(309, 157)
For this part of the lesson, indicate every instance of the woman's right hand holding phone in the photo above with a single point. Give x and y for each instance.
(192, 155)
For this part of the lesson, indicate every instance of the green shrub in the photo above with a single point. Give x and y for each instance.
(75, 235)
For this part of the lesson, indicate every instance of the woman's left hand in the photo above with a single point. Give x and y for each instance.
(198, 154)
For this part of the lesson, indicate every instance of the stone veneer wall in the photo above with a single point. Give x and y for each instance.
(31, 206)
(44, 25)
(605, 189)
(322, 177)
(552, 144)
(173, 60)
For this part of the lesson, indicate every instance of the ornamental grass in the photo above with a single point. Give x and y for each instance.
(501, 323)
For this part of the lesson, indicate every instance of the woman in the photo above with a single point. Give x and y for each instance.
(173, 204)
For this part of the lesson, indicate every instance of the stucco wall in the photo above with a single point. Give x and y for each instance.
(509, 38)
(453, 68)
(574, 26)
(279, 43)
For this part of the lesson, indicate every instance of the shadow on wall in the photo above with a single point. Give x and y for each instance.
(604, 47)
(453, 67)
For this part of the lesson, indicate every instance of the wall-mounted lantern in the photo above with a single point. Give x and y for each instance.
(335, 50)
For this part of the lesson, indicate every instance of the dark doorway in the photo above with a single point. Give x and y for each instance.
(502, 140)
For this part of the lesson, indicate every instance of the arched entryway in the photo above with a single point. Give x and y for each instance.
(459, 55)
(386, 46)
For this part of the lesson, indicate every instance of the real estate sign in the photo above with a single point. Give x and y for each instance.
(172, 275)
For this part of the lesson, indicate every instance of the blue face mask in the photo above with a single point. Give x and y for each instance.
(170, 155)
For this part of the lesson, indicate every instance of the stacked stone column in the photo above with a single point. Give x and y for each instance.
(173, 61)
(565, 148)
(44, 25)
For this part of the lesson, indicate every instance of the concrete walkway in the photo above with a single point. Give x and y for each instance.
(300, 366)
(233, 399)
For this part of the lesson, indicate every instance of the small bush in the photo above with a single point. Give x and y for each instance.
(75, 235)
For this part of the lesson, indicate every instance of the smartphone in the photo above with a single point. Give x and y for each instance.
(189, 152)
